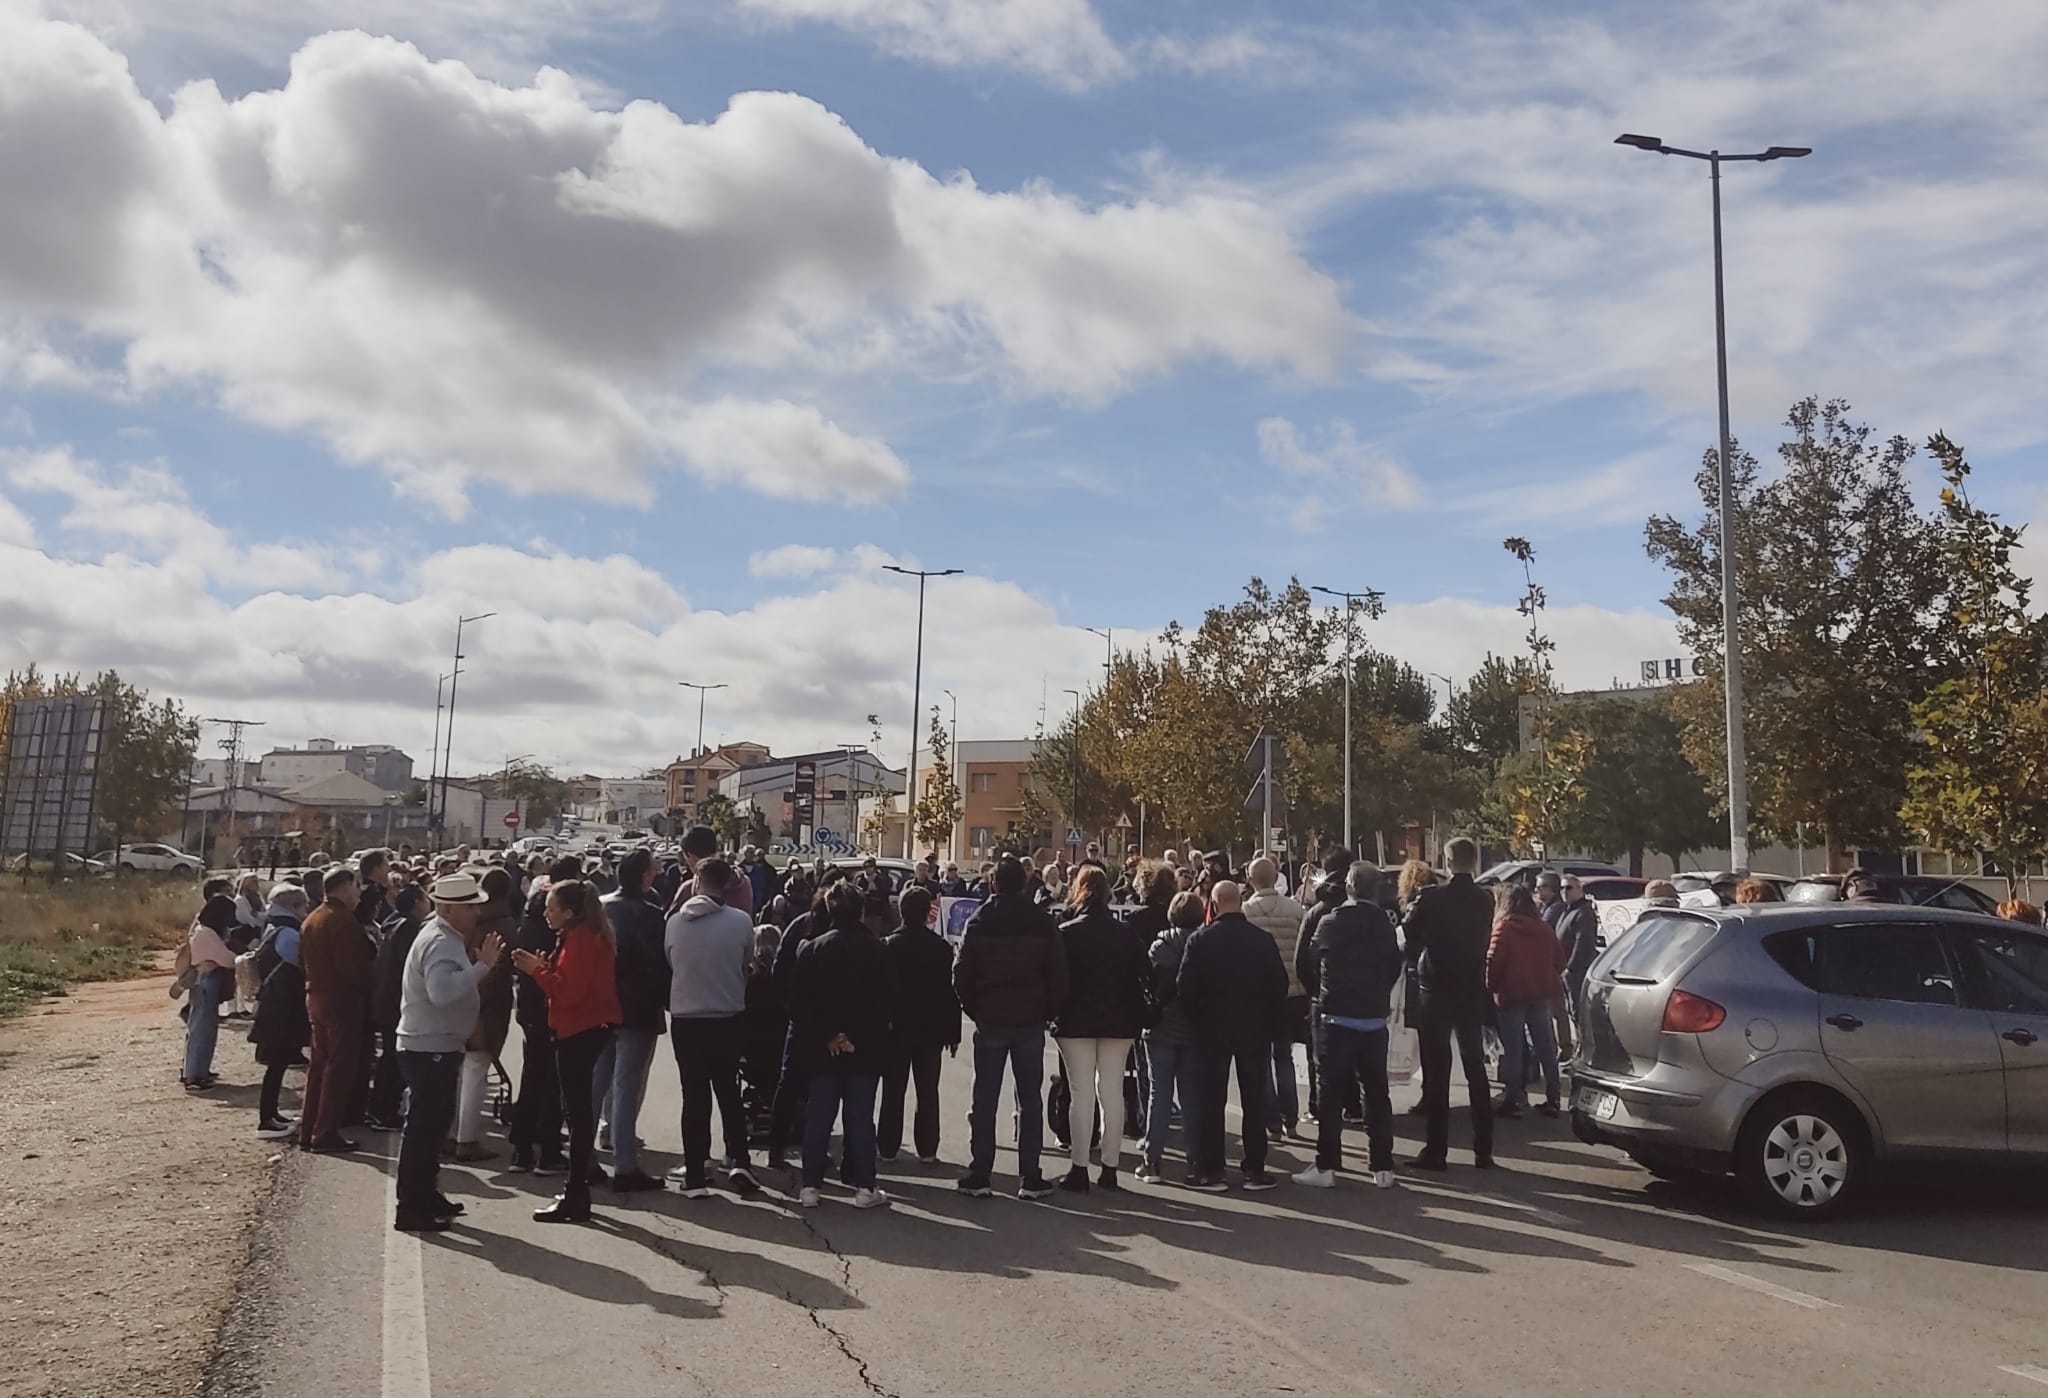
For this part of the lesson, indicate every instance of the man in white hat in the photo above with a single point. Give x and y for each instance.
(438, 1006)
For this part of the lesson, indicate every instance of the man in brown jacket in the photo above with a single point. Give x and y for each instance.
(338, 959)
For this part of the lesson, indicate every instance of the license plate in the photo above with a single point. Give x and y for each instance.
(1595, 1103)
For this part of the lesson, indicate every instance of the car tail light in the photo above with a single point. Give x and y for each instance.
(1691, 1014)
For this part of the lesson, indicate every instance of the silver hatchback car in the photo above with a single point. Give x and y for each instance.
(1797, 1045)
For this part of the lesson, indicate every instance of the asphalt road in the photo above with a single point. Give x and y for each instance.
(1565, 1271)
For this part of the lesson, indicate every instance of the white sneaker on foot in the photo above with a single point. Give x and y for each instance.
(1384, 1179)
(870, 1199)
(1316, 1178)
(807, 1198)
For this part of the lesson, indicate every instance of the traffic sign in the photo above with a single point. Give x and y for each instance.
(512, 820)
(1123, 822)
(1073, 835)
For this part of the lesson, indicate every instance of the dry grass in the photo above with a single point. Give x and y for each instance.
(52, 938)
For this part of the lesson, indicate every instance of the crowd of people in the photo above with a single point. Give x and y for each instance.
(801, 999)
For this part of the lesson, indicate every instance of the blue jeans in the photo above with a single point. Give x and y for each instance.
(1342, 1053)
(619, 1086)
(430, 1083)
(829, 1093)
(1024, 1051)
(1173, 1072)
(1535, 1020)
(202, 1025)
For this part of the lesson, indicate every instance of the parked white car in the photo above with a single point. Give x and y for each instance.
(153, 859)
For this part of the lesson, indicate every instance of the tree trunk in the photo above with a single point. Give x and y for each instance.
(1635, 861)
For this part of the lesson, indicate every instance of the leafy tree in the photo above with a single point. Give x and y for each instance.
(1538, 794)
(1641, 792)
(146, 749)
(938, 808)
(1485, 717)
(541, 794)
(1979, 784)
(758, 833)
(718, 811)
(1839, 577)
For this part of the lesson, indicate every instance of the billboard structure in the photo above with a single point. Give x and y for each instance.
(50, 775)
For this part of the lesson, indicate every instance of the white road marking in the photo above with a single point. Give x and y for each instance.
(1758, 1284)
(406, 1373)
(2025, 1371)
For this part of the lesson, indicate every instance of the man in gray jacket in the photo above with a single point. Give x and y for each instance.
(1279, 917)
(437, 1012)
(710, 949)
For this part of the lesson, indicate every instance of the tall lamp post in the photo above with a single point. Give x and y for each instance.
(1731, 651)
(916, 695)
(702, 691)
(434, 753)
(1074, 762)
(1108, 635)
(953, 765)
(1354, 602)
(454, 679)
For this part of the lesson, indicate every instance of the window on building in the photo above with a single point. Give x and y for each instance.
(981, 782)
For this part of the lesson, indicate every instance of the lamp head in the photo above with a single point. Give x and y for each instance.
(1787, 152)
(1655, 143)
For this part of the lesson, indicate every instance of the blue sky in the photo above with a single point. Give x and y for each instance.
(663, 353)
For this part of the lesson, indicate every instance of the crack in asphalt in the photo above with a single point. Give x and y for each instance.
(831, 1332)
(711, 1280)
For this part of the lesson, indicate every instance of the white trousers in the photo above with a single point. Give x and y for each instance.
(1095, 1070)
(470, 1096)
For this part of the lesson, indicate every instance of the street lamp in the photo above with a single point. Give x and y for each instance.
(1731, 651)
(434, 753)
(454, 680)
(1108, 651)
(916, 695)
(702, 690)
(1074, 760)
(1354, 602)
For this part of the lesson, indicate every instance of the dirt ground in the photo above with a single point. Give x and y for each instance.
(125, 1205)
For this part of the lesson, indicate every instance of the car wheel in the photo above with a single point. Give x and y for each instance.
(127, 868)
(1802, 1154)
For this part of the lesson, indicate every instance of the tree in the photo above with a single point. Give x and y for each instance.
(1839, 577)
(758, 833)
(146, 750)
(938, 809)
(1978, 786)
(1485, 717)
(718, 811)
(541, 794)
(1641, 792)
(1538, 794)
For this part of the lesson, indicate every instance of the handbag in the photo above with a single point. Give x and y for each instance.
(184, 974)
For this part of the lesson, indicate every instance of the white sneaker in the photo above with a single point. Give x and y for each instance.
(679, 1174)
(1316, 1178)
(1383, 1179)
(870, 1199)
(807, 1198)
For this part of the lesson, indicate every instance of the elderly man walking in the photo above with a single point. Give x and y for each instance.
(1233, 988)
(439, 1000)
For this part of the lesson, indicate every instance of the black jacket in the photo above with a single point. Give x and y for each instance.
(1107, 968)
(642, 961)
(1448, 930)
(842, 985)
(1578, 927)
(1171, 1024)
(1011, 971)
(1351, 964)
(389, 973)
(1232, 984)
(927, 1010)
(802, 928)
(529, 1001)
(280, 1029)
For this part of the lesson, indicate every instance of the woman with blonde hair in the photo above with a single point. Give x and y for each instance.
(2020, 910)
(1107, 968)
(1415, 876)
(579, 978)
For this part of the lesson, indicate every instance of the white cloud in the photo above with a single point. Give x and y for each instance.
(1596, 646)
(1333, 468)
(553, 586)
(1061, 41)
(791, 561)
(460, 281)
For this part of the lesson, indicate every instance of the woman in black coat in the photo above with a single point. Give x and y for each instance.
(927, 1025)
(842, 1005)
(1104, 1013)
(280, 1030)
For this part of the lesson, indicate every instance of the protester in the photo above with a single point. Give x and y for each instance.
(536, 1126)
(708, 950)
(1329, 894)
(1011, 977)
(2020, 910)
(642, 972)
(699, 843)
(1446, 934)
(1859, 885)
(440, 1000)
(387, 987)
(581, 986)
(1350, 967)
(1099, 1020)
(280, 1031)
(213, 966)
(786, 1110)
(1660, 893)
(927, 1027)
(765, 1032)
(499, 918)
(1578, 934)
(339, 962)
(1235, 991)
(1757, 891)
(1280, 918)
(1523, 962)
(1170, 1042)
(841, 1010)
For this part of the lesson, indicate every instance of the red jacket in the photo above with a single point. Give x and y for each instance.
(1524, 961)
(580, 983)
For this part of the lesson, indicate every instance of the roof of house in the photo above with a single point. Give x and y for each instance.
(338, 789)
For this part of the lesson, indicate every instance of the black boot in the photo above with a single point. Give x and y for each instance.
(565, 1209)
(1076, 1181)
(1107, 1179)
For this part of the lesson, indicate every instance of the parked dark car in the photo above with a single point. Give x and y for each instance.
(1913, 890)
(1524, 871)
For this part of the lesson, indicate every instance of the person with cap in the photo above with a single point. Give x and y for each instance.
(439, 1000)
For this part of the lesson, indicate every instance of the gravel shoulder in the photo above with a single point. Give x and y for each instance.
(127, 1208)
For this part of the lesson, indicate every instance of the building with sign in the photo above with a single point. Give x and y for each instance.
(838, 780)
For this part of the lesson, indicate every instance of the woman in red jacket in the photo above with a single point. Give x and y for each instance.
(583, 1007)
(1524, 965)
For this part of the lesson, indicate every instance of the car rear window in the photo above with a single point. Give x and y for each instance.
(1657, 947)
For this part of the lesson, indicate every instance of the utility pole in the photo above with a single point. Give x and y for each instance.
(916, 695)
(1371, 603)
(702, 691)
(953, 766)
(454, 679)
(434, 760)
(233, 744)
(1108, 636)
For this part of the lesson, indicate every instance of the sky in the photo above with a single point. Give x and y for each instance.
(659, 327)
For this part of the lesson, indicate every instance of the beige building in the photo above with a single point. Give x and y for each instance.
(993, 776)
(690, 779)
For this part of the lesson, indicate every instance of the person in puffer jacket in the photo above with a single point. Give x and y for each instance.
(1524, 962)
(1280, 917)
(1170, 1042)
(1350, 966)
